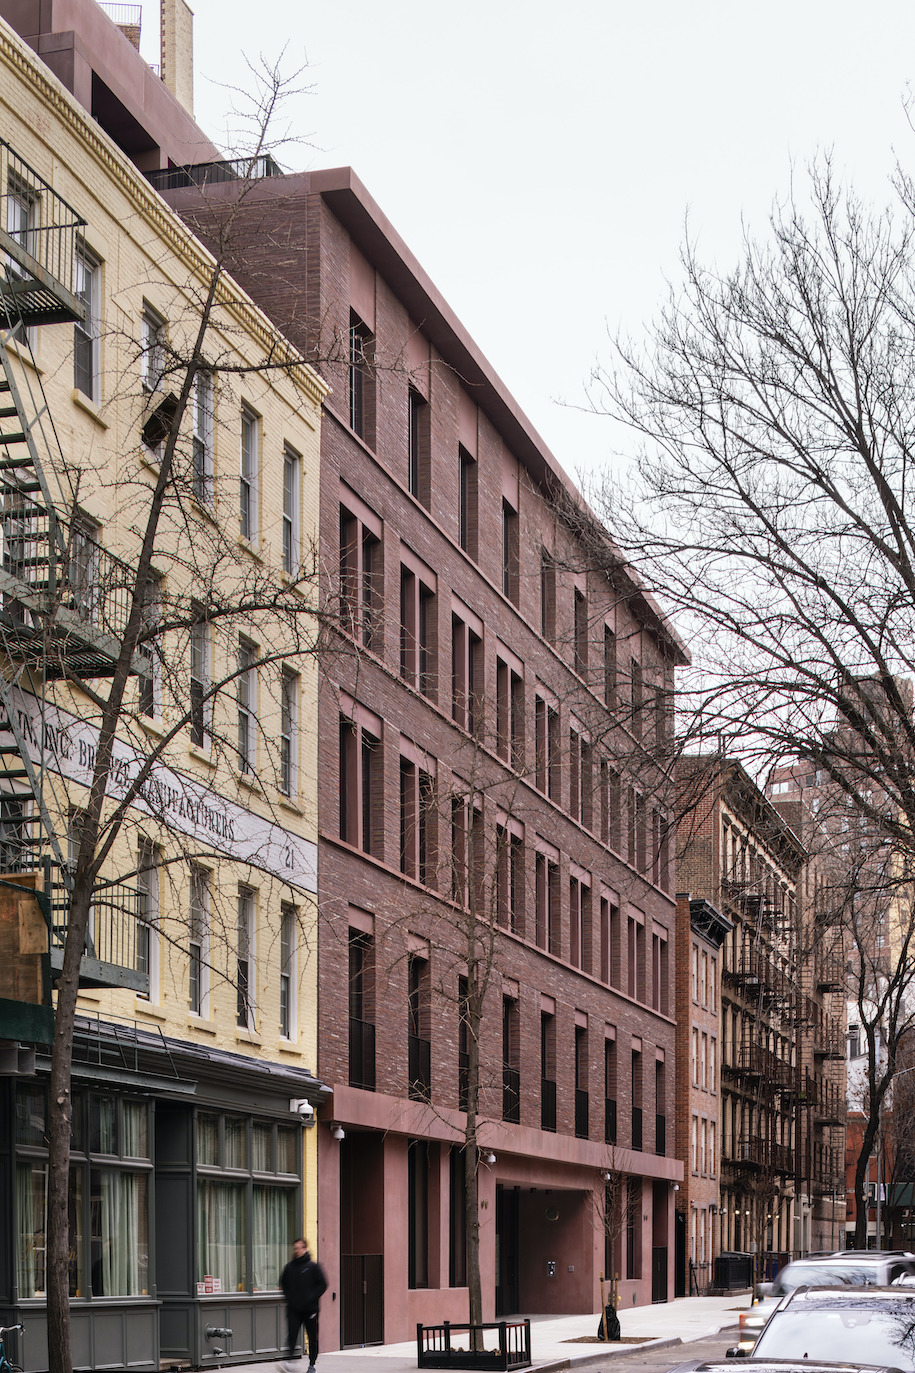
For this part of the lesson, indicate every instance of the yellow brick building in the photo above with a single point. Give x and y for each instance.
(191, 1171)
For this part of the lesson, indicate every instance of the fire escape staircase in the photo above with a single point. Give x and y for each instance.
(63, 599)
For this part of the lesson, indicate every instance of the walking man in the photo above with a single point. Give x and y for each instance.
(303, 1283)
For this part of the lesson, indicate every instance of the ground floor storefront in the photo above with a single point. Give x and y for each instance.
(186, 1193)
(555, 1213)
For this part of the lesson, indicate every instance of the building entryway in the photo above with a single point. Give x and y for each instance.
(361, 1239)
(508, 1300)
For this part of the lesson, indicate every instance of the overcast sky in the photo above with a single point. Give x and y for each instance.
(540, 158)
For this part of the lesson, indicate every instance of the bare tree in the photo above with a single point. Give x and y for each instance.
(776, 415)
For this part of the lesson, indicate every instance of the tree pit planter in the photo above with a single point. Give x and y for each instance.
(434, 1348)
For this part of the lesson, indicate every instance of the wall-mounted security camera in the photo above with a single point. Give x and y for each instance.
(302, 1107)
(338, 1132)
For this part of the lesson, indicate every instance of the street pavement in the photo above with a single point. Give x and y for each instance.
(553, 1338)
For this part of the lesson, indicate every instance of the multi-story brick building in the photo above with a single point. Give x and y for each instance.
(190, 1172)
(492, 738)
(701, 930)
(778, 1101)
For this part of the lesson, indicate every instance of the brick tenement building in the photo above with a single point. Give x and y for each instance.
(701, 930)
(493, 726)
(778, 1104)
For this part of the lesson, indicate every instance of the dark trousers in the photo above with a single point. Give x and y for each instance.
(296, 1319)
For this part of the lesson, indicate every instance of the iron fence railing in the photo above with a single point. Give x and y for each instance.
(39, 232)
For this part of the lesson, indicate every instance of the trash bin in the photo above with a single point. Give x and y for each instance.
(733, 1272)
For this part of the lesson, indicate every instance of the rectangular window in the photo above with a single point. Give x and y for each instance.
(547, 596)
(418, 447)
(200, 703)
(660, 973)
(418, 633)
(548, 934)
(637, 689)
(509, 715)
(579, 924)
(244, 982)
(361, 379)
(289, 938)
(417, 823)
(466, 675)
(248, 505)
(150, 680)
(203, 437)
(419, 1047)
(292, 470)
(511, 1061)
(547, 1071)
(609, 668)
(86, 282)
(510, 552)
(468, 503)
(289, 736)
(148, 916)
(361, 783)
(361, 1010)
(152, 346)
(246, 700)
(582, 1113)
(581, 632)
(457, 1213)
(361, 583)
(198, 942)
(609, 1091)
(418, 1213)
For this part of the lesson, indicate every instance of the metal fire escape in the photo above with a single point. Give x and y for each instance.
(63, 599)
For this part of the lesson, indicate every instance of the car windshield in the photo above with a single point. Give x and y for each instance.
(859, 1333)
(824, 1275)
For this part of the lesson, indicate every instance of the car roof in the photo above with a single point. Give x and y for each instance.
(842, 1296)
(779, 1366)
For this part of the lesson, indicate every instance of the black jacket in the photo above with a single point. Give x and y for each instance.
(303, 1283)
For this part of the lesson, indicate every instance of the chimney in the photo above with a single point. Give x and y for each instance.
(177, 51)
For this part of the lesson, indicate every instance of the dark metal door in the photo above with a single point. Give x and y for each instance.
(659, 1273)
(508, 1300)
(361, 1299)
(680, 1254)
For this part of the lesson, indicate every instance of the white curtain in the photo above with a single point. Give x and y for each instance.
(120, 1265)
(30, 1205)
(221, 1233)
(272, 1234)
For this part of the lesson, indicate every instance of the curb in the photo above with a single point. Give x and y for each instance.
(617, 1352)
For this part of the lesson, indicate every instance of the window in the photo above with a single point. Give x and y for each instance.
(457, 1215)
(150, 680)
(417, 823)
(87, 277)
(203, 437)
(660, 972)
(244, 982)
(361, 380)
(510, 876)
(22, 211)
(580, 953)
(509, 715)
(582, 1113)
(637, 689)
(198, 942)
(152, 349)
(581, 632)
(510, 552)
(418, 630)
(148, 916)
(547, 596)
(419, 1047)
(511, 1061)
(361, 783)
(245, 1225)
(418, 1168)
(200, 704)
(361, 1010)
(289, 938)
(547, 1071)
(292, 469)
(609, 668)
(468, 503)
(248, 511)
(609, 1091)
(289, 739)
(546, 731)
(547, 896)
(466, 675)
(361, 576)
(84, 567)
(246, 700)
(418, 446)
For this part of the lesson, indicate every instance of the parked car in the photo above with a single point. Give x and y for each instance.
(848, 1268)
(782, 1366)
(875, 1325)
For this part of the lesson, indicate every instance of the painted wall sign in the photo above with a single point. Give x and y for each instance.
(179, 803)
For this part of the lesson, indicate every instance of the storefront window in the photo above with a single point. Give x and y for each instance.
(136, 1130)
(236, 1153)
(262, 1149)
(103, 1125)
(221, 1234)
(31, 1204)
(285, 1150)
(274, 1230)
(208, 1140)
(31, 1112)
(119, 1237)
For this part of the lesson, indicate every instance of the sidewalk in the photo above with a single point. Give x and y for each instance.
(687, 1318)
